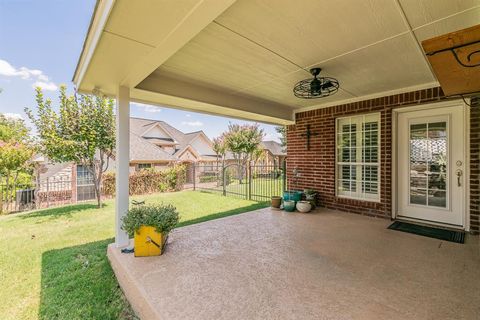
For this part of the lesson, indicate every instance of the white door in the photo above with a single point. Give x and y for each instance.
(431, 165)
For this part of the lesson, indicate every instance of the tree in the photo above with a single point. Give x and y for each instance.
(243, 141)
(220, 149)
(14, 160)
(13, 130)
(258, 155)
(82, 131)
(282, 130)
(16, 152)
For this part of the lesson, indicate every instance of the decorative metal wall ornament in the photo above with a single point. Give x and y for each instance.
(308, 134)
(469, 63)
(318, 87)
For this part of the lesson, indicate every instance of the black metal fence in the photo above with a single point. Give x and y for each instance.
(251, 182)
(51, 192)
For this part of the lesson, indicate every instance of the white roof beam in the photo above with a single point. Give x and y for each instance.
(190, 96)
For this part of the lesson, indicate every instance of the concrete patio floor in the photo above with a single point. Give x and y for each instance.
(326, 265)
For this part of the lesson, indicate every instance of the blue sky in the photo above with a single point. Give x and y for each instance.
(40, 41)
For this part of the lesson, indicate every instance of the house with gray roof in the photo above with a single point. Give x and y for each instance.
(274, 154)
(154, 144)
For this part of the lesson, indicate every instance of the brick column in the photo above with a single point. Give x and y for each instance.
(475, 165)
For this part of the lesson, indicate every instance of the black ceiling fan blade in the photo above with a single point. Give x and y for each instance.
(327, 85)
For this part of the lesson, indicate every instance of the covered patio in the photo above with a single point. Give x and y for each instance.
(366, 149)
(243, 58)
(326, 265)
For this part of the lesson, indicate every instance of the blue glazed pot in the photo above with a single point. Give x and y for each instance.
(289, 205)
(292, 195)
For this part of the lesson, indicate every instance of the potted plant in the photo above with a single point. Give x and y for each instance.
(276, 201)
(149, 225)
(289, 205)
(311, 196)
(292, 195)
(304, 206)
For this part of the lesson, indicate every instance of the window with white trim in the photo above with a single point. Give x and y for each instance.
(144, 166)
(358, 157)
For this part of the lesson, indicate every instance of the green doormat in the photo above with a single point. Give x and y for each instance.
(447, 235)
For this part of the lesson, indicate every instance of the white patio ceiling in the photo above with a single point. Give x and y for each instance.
(242, 58)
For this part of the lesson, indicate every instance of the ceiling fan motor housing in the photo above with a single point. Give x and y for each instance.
(317, 87)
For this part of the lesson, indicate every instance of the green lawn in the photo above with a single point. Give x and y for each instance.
(53, 262)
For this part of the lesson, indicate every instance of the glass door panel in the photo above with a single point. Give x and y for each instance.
(428, 164)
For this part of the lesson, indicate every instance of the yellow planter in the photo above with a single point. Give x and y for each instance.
(148, 242)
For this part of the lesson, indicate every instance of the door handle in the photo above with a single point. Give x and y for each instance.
(459, 174)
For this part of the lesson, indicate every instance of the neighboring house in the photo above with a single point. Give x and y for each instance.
(47, 170)
(274, 154)
(153, 144)
(156, 144)
(62, 181)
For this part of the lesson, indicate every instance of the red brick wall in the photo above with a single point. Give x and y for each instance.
(317, 166)
(475, 165)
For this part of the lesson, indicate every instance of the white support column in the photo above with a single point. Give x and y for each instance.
(122, 160)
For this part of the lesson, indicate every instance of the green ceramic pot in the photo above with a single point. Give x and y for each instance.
(289, 205)
(292, 195)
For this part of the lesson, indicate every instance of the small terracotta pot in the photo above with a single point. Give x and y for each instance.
(276, 202)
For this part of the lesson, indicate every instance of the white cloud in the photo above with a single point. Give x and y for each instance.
(13, 116)
(41, 80)
(146, 107)
(34, 72)
(6, 69)
(188, 115)
(192, 123)
(152, 109)
(49, 86)
(42, 77)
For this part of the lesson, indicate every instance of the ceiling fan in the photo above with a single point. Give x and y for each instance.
(316, 87)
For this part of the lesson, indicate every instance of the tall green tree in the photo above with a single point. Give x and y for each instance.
(243, 141)
(14, 161)
(81, 131)
(13, 130)
(16, 152)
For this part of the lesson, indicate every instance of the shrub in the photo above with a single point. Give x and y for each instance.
(228, 178)
(163, 218)
(208, 178)
(149, 181)
(108, 184)
(175, 177)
